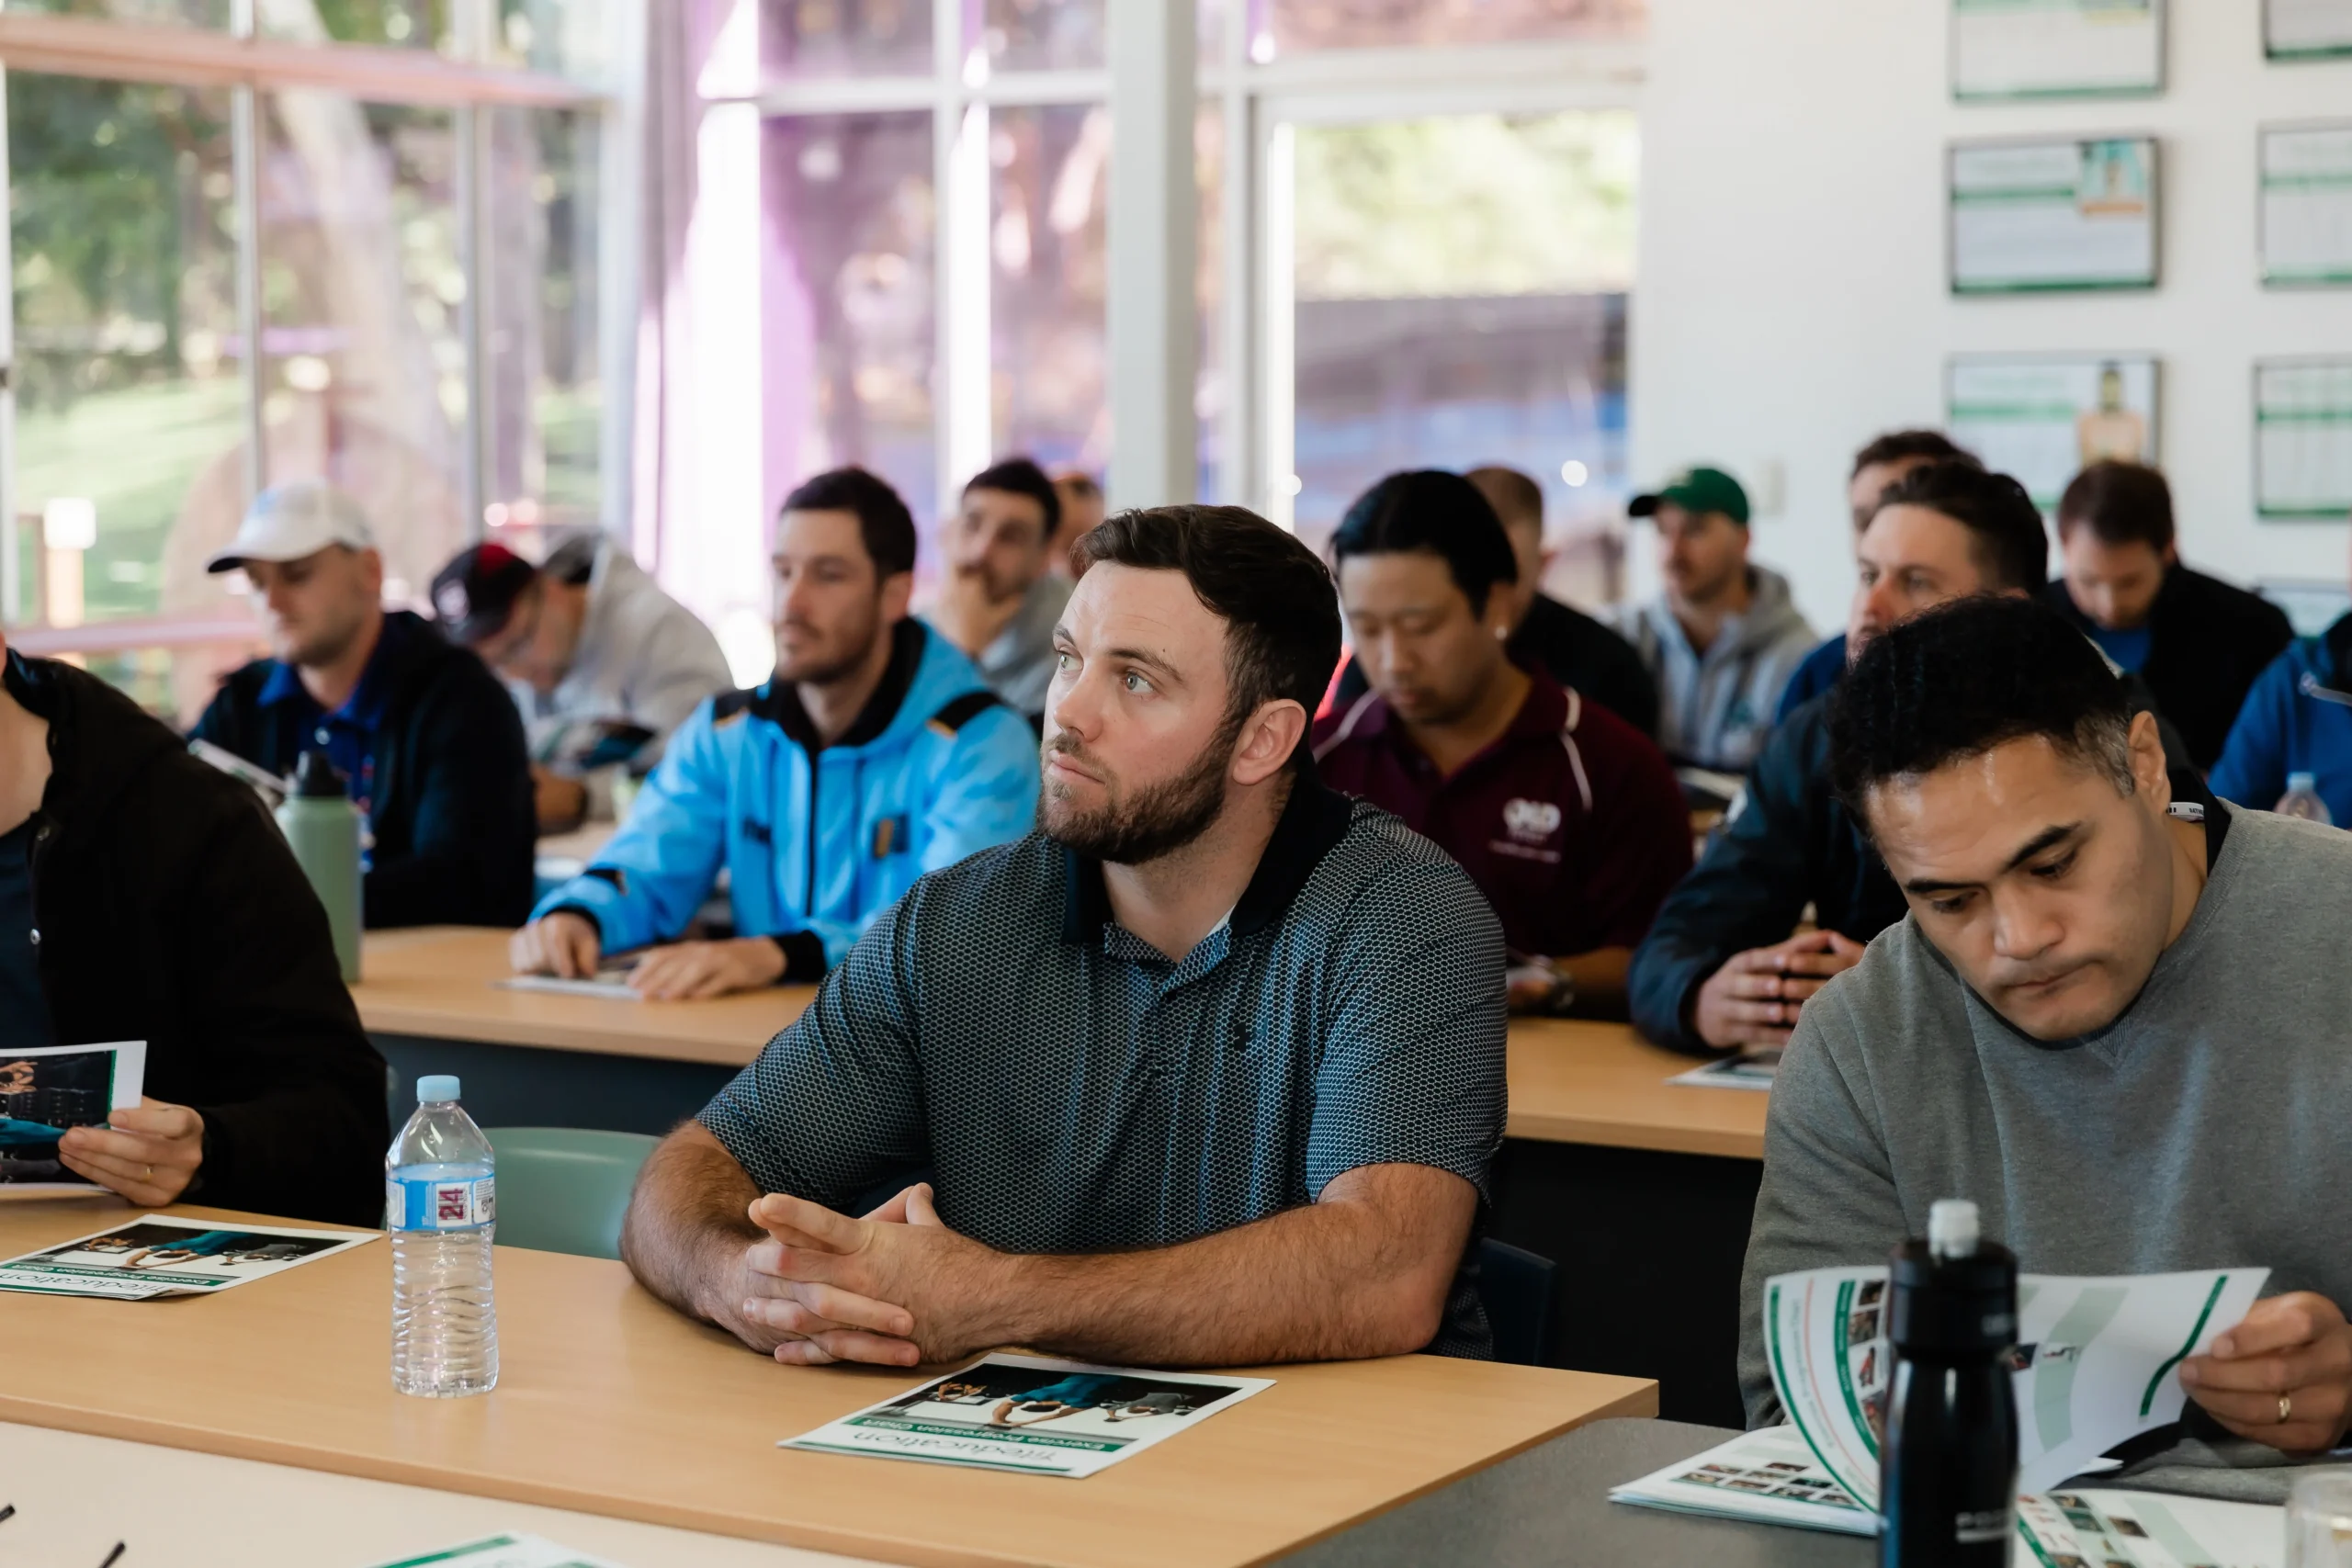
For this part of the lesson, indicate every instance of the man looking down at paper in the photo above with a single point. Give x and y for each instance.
(1209, 1068)
(145, 896)
(2114, 1018)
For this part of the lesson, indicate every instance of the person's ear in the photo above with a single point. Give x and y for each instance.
(1267, 741)
(2149, 771)
(898, 592)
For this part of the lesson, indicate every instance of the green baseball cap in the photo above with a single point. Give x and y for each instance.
(1695, 489)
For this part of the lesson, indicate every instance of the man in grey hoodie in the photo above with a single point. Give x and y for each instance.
(1722, 637)
(2114, 1018)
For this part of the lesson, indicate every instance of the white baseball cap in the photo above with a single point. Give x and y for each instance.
(289, 521)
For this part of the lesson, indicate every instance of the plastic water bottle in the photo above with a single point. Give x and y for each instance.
(1947, 1469)
(2302, 800)
(441, 1207)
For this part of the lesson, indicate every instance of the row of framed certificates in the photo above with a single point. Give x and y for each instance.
(2073, 213)
(2006, 49)
(2043, 417)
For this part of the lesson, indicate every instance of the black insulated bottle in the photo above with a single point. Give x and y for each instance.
(1948, 1468)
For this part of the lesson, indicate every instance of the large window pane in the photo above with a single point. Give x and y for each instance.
(1294, 25)
(545, 395)
(1461, 287)
(1044, 35)
(364, 369)
(404, 24)
(856, 314)
(130, 406)
(845, 38)
(146, 13)
(565, 38)
(1046, 250)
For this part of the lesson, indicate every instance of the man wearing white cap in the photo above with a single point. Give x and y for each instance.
(425, 734)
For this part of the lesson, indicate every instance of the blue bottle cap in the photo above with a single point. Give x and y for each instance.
(436, 1087)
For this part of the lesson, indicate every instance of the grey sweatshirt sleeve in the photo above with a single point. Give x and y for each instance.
(1828, 1198)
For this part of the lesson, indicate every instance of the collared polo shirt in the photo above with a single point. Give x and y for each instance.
(1571, 823)
(348, 734)
(1075, 1092)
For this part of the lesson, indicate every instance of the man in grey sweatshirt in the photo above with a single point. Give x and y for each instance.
(1722, 636)
(2119, 1020)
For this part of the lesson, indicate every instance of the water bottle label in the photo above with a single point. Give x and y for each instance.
(421, 1203)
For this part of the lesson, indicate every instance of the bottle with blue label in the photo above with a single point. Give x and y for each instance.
(441, 1207)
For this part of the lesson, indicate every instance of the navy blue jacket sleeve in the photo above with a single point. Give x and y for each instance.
(476, 834)
(1749, 890)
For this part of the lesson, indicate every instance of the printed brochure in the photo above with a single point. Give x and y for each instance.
(1033, 1415)
(153, 1256)
(505, 1552)
(1754, 1068)
(2095, 1361)
(45, 1091)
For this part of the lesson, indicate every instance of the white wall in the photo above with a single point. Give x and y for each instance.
(1792, 302)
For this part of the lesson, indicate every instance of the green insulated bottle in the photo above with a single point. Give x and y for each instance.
(323, 825)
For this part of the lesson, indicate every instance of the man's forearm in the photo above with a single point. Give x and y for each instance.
(688, 1223)
(1335, 1280)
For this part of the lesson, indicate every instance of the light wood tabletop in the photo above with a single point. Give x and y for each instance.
(1574, 1082)
(1571, 1081)
(437, 982)
(611, 1403)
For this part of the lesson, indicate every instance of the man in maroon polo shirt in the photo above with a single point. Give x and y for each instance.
(1568, 819)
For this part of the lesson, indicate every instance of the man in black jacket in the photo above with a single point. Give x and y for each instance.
(427, 735)
(1719, 968)
(146, 897)
(2199, 642)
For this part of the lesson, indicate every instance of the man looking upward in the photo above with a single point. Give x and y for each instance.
(428, 738)
(2114, 1018)
(1723, 634)
(1565, 816)
(1210, 1067)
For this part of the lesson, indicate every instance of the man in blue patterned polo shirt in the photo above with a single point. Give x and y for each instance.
(1208, 1069)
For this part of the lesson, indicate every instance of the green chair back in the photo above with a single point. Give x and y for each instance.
(565, 1189)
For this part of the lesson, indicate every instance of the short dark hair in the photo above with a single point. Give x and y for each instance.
(1910, 446)
(1282, 616)
(1020, 476)
(1436, 513)
(2121, 502)
(884, 523)
(2012, 549)
(1957, 681)
(1513, 494)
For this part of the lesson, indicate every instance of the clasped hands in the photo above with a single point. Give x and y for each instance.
(896, 1288)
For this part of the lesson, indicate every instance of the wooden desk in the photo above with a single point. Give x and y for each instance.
(611, 1403)
(1573, 1082)
(435, 982)
(1570, 1082)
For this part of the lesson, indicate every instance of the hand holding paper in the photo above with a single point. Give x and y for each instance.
(149, 1153)
(2282, 1377)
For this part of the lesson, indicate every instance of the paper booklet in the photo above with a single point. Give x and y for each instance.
(2096, 1366)
(1771, 1477)
(1754, 1068)
(1033, 1415)
(51, 1088)
(505, 1552)
(153, 1256)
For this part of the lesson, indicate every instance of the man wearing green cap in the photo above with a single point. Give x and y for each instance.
(1722, 636)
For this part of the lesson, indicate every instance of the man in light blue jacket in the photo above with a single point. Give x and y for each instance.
(875, 753)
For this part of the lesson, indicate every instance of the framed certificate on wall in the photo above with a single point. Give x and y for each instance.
(2056, 49)
(2045, 417)
(2306, 29)
(2306, 222)
(2049, 215)
(2302, 438)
